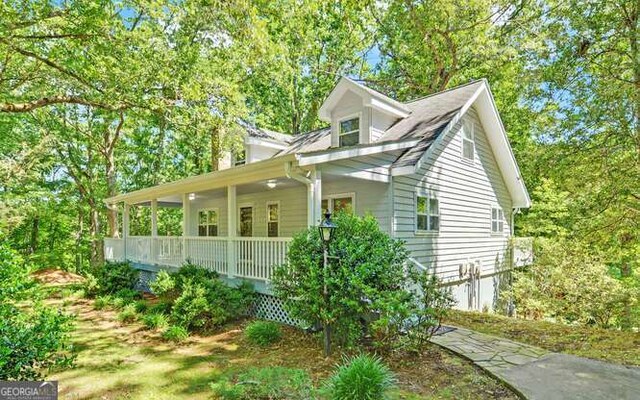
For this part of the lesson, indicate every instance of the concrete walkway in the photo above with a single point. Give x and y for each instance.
(538, 374)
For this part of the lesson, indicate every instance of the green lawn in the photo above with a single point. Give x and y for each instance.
(116, 361)
(604, 344)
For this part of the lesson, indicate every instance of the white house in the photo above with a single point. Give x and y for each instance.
(437, 172)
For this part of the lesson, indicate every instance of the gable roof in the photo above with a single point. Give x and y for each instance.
(369, 97)
(423, 122)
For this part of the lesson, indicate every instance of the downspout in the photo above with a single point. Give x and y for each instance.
(303, 178)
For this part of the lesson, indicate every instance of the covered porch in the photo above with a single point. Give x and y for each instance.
(238, 222)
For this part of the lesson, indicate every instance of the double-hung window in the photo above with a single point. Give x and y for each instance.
(427, 213)
(468, 140)
(208, 222)
(497, 220)
(273, 219)
(349, 132)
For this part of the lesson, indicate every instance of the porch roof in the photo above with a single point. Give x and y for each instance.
(253, 172)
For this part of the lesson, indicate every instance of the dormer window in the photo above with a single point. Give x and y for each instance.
(239, 157)
(349, 132)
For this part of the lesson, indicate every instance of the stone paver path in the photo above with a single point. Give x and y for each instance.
(538, 374)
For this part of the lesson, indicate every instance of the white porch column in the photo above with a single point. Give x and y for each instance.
(315, 209)
(125, 229)
(186, 225)
(154, 231)
(232, 224)
(154, 217)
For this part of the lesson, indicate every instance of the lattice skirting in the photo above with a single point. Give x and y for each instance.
(146, 277)
(265, 307)
(272, 308)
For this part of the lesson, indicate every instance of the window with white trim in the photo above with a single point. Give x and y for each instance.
(349, 132)
(273, 219)
(427, 213)
(208, 222)
(497, 220)
(338, 202)
(468, 140)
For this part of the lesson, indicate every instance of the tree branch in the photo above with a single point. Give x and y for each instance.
(47, 101)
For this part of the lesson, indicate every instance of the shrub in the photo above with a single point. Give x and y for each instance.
(128, 314)
(568, 282)
(175, 333)
(360, 378)
(199, 300)
(164, 286)
(140, 306)
(263, 333)
(415, 313)
(128, 295)
(34, 339)
(159, 308)
(155, 321)
(118, 302)
(274, 383)
(101, 302)
(91, 286)
(366, 268)
(115, 276)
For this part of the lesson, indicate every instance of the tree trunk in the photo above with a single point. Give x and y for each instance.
(79, 233)
(216, 150)
(35, 229)
(97, 256)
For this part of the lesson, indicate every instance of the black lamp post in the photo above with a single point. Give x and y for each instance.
(327, 227)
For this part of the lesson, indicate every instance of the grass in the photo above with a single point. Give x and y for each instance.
(603, 344)
(128, 361)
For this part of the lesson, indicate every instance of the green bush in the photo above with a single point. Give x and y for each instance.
(128, 314)
(273, 383)
(263, 333)
(360, 378)
(115, 276)
(141, 306)
(129, 295)
(571, 283)
(118, 302)
(91, 285)
(159, 308)
(198, 299)
(175, 333)
(366, 268)
(33, 339)
(101, 302)
(155, 321)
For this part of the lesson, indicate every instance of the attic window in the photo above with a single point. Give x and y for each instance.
(468, 144)
(349, 133)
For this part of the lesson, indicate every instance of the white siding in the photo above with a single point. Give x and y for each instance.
(370, 197)
(293, 211)
(466, 192)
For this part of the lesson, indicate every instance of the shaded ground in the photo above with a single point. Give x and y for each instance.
(125, 361)
(604, 344)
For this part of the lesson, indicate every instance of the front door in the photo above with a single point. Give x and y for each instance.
(246, 230)
(246, 221)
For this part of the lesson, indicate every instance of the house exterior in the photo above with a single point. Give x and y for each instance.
(437, 173)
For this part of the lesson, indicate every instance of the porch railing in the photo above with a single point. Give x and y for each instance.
(249, 257)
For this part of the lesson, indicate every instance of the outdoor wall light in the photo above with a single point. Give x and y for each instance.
(192, 196)
(271, 183)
